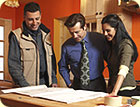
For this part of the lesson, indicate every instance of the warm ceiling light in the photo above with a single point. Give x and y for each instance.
(10, 3)
(129, 2)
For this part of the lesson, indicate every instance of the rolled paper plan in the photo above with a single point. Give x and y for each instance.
(113, 100)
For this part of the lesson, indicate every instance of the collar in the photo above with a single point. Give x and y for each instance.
(86, 39)
(26, 31)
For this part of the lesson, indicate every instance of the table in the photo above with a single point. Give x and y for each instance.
(18, 100)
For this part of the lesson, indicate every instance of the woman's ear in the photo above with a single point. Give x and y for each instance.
(85, 27)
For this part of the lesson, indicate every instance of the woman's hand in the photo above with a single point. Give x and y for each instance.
(54, 85)
(112, 94)
(117, 85)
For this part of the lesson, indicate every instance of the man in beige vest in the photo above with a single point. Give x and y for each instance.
(31, 59)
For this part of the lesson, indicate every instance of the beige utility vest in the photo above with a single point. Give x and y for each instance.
(30, 56)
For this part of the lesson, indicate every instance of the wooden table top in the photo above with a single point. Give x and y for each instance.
(17, 100)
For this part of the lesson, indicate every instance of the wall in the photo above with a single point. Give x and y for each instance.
(136, 37)
(8, 13)
(51, 9)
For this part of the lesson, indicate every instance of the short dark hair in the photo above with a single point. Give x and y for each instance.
(31, 7)
(74, 18)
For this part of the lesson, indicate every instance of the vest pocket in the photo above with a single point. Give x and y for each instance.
(28, 54)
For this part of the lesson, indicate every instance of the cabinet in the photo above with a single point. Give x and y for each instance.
(98, 7)
(95, 10)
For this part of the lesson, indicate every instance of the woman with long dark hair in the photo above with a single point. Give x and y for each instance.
(121, 57)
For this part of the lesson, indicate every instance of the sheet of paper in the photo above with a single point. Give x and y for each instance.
(35, 90)
(27, 90)
(136, 97)
(70, 96)
(67, 95)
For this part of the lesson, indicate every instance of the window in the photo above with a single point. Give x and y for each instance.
(5, 28)
(1, 52)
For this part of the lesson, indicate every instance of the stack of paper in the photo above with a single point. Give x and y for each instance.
(66, 95)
